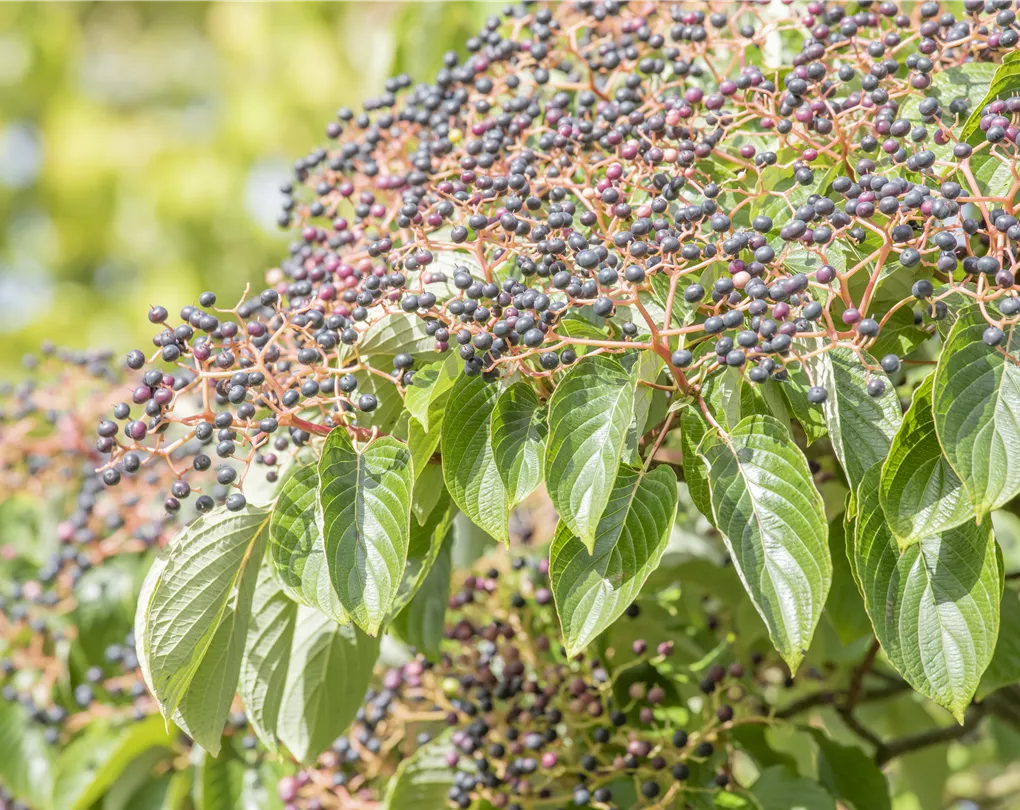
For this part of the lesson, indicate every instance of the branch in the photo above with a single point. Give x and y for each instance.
(915, 742)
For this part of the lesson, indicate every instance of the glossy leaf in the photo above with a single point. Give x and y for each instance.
(592, 589)
(920, 493)
(934, 605)
(424, 396)
(589, 415)
(365, 498)
(296, 544)
(860, 427)
(267, 655)
(768, 509)
(469, 464)
(976, 402)
(518, 441)
(395, 333)
(195, 617)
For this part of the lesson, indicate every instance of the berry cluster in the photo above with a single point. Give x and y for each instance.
(587, 179)
(518, 723)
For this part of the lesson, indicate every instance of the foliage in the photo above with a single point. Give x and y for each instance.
(729, 293)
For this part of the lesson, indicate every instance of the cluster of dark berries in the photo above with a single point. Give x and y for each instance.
(601, 177)
(517, 723)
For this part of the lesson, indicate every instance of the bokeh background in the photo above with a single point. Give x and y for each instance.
(142, 146)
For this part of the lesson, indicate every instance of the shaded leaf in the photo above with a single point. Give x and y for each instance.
(330, 668)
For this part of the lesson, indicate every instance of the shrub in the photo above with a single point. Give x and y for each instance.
(734, 288)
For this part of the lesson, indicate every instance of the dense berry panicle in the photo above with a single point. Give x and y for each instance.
(644, 181)
(586, 179)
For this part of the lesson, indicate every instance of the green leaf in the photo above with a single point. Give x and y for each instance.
(195, 618)
(330, 668)
(518, 432)
(429, 488)
(366, 511)
(920, 493)
(779, 789)
(592, 589)
(25, 759)
(90, 764)
(934, 605)
(423, 549)
(860, 427)
(1004, 668)
(390, 405)
(844, 606)
(267, 655)
(850, 775)
(772, 517)
(230, 783)
(589, 415)
(420, 623)
(297, 547)
(422, 781)
(976, 402)
(424, 396)
(469, 464)
(693, 428)
(397, 333)
(1005, 79)
(993, 172)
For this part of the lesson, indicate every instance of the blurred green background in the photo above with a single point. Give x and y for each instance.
(142, 146)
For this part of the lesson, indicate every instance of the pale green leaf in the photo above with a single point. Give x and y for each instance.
(91, 763)
(366, 509)
(589, 415)
(267, 655)
(469, 465)
(330, 668)
(976, 402)
(518, 432)
(397, 333)
(934, 605)
(860, 427)
(297, 547)
(199, 602)
(920, 493)
(592, 589)
(423, 780)
(424, 396)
